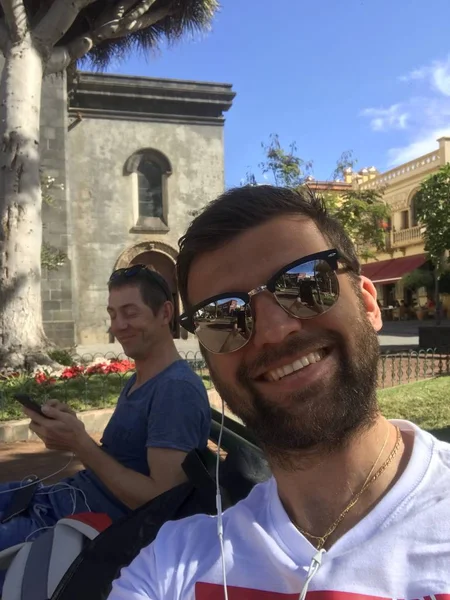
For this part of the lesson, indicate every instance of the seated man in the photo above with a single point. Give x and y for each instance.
(358, 506)
(162, 413)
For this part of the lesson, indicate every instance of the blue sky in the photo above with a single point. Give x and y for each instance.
(331, 75)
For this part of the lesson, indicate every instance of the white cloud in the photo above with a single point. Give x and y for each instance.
(420, 119)
(437, 74)
(383, 119)
(414, 75)
(422, 144)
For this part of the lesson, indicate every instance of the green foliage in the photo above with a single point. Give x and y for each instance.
(419, 278)
(51, 257)
(361, 212)
(433, 212)
(345, 161)
(285, 167)
(62, 357)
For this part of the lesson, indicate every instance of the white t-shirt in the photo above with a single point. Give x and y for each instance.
(400, 550)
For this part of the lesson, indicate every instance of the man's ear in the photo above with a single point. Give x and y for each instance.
(369, 295)
(167, 312)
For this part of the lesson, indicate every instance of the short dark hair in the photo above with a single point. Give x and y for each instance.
(243, 208)
(153, 287)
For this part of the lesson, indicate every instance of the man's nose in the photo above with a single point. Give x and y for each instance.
(272, 323)
(119, 324)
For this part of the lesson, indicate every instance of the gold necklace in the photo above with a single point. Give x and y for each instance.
(321, 539)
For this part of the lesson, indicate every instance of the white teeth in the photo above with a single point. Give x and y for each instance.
(288, 369)
(297, 365)
(300, 363)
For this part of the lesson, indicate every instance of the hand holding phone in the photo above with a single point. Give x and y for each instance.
(28, 402)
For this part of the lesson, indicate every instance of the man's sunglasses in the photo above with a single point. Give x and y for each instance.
(304, 288)
(135, 270)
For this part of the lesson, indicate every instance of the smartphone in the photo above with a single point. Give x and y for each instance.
(29, 403)
(21, 498)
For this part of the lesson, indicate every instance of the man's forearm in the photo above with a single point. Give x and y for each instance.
(131, 488)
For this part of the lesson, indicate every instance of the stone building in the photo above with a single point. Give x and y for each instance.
(135, 157)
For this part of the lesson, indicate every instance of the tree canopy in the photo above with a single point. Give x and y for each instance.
(432, 203)
(362, 212)
(67, 30)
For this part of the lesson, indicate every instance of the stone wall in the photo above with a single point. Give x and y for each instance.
(56, 285)
(103, 199)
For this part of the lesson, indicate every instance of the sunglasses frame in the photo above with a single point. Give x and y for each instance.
(332, 257)
(140, 268)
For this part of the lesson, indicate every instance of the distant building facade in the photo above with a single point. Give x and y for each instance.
(404, 239)
(136, 156)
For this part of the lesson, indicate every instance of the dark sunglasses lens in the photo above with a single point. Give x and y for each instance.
(126, 272)
(224, 325)
(308, 290)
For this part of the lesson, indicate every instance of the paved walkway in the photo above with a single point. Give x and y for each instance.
(21, 459)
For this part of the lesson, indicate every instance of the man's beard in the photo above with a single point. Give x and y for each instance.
(322, 416)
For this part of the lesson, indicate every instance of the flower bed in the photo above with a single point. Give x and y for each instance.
(83, 387)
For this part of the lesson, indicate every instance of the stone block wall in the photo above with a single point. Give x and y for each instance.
(56, 285)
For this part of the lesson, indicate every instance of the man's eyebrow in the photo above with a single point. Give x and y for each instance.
(123, 307)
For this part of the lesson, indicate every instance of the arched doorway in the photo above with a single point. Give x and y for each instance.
(161, 257)
(166, 267)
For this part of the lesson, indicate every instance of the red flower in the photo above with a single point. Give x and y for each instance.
(43, 378)
(115, 366)
(71, 372)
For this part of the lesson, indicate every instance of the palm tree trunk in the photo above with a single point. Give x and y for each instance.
(21, 330)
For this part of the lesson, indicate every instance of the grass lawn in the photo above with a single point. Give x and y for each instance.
(425, 403)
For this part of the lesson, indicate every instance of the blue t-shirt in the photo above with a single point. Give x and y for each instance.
(171, 410)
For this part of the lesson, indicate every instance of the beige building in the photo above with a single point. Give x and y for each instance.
(404, 240)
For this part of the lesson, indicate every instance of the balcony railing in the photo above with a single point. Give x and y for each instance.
(406, 237)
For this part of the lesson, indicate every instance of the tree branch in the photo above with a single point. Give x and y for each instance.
(139, 11)
(15, 18)
(117, 11)
(58, 20)
(109, 20)
(4, 36)
(120, 27)
(142, 23)
(63, 56)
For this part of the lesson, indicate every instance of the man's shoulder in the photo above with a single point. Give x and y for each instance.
(180, 372)
(198, 533)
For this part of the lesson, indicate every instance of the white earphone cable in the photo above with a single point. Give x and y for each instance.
(219, 506)
(313, 568)
(21, 487)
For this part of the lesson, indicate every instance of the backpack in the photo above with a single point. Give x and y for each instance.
(35, 568)
(89, 564)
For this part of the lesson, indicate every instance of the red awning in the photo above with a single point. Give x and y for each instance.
(388, 271)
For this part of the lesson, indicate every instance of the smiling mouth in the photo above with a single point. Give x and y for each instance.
(297, 365)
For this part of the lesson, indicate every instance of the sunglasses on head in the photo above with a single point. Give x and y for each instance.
(129, 272)
(305, 288)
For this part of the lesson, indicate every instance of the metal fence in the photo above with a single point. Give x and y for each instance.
(397, 368)
(95, 380)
